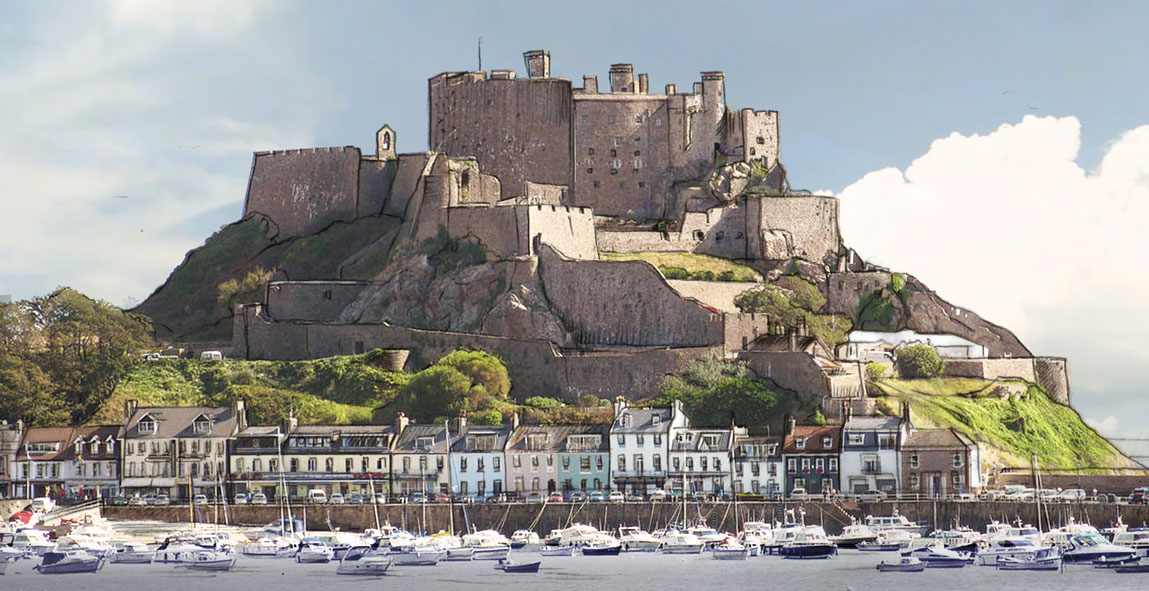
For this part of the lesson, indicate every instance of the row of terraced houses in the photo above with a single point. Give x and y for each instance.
(183, 451)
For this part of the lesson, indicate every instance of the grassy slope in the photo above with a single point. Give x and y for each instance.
(1010, 419)
(693, 263)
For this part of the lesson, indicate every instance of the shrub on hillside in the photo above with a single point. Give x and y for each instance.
(918, 361)
(875, 371)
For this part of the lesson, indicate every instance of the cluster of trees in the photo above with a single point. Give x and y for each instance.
(471, 382)
(62, 355)
(714, 392)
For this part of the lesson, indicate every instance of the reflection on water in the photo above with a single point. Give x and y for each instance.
(639, 572)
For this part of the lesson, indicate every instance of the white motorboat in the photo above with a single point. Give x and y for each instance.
(339, 541)
(486, 538)
(558, 551)
(523, 538)
(908, 564)
(635, 539)
(1136, 538)
(936, 555)
(357, 562)
(270, 547)
(707, 535)
(1061, 536)
(1092, 546)
(32, 542)
(132, 553)
(962, 539)
(184, 550)
(887, 541)
(77, 561)
(676, 542)
(418, 557)
(490, 552)
(756, 535)
(312, 550)
(211, 560)
(810, 543)
(90, 544)
(1019, 548)
(459, 554)
(854, 534)
(730, 550)
(581, 534)
(896, 521)
(1047, 558)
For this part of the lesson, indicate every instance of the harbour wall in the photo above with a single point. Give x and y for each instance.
(608, 516)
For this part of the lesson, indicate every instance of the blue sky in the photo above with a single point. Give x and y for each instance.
(993, 149)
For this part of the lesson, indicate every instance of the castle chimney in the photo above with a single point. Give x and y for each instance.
(622, 78)
(515, 419)
(590, 84)
(401, 422)
(643, 84)
(671, 89)
(538, 63)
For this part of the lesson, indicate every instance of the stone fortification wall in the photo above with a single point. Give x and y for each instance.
(760, 136)
(375, 178)
(1051, 373)
(303, 191)
(644, 241)
(791, 370)
(623, 303)
(846, 290)
(511, 230)
(536, 367)
(406, 190)
(518, 129)
(570, 230)
(315, 301)
(498, 229)
(716, 294)
(741, 329)
(806, 226)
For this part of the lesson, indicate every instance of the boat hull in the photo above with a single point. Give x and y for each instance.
(810, 552)
(601, 551)
(86, 566)
(526, 567)
(366, 567)
(490, 553)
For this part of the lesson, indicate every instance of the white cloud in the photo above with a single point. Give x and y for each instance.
(1108, 426)
(1009, 225)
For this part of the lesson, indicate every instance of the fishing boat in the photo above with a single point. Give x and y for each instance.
(132, 553)
(77, 561)
(810, 543)
(313, 550)
(357, 562)
(854, 534)
(907, 564)
(211, 561)
(635, 539)
(730, 550)
(508, 566)
(558, 551)
(1047, 558)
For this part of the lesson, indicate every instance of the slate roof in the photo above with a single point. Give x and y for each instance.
(177, 422)
(59, 435)
(459, 445)
(556, 437)
(642, 420)
(682, 443)
(813, 437)
(406, 440)
(873, 423)
(935, 439)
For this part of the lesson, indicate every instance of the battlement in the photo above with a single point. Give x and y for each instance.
(297, 151)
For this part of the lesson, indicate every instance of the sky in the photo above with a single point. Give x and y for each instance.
(998, 151)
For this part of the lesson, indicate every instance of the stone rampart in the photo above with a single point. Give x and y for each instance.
(716, 294)
(315, 301)
(791, 370)
(624, 303)
(303, 191)
(1051, 373)
(570, 230)
(809, 223)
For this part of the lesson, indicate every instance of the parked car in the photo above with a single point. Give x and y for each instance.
(799, 494)
(417, 496)
(118, 501)
(1071, 495)
(442, 498)
(162, 501)
(137, 501)
(200, 499)
(657, 495)
(616, 497)
(1140, 496)
(337, 499)
(380, 499)
(317, 496)
(259, 499)
(555, 497)
(633, 497)
(240, 499)
(596, 496)
(577, 496)
(872, 496)
(355, 499)
(149, 499)
(534, 497)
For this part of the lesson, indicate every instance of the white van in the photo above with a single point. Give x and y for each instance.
(210, 356)
(317, 496)
(43, 505)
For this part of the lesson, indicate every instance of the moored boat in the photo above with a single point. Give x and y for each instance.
(854, 534)
(418, 557)
(810, 543)
(509, 566)
(907, 564)
(635, 539)
(459, 554)
(312, 550)
(602, 549)
(730, 550)
(558, 551)
(132, 553)
(211, 561)
(1047, 558)
(76, 561)
(1091, 546)
(357, 562)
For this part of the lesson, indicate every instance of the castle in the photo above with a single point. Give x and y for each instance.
(544, 178)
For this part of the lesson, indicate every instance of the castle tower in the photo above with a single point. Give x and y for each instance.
(385, 143)
(622, 78)
(538, 63)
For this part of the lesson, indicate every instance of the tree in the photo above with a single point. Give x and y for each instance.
(875, 371)
(27, 393)
(743, 400)
(460, 382)
(542, 402)
(918, 361)
(818, 419)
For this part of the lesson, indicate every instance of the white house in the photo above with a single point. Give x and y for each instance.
(758, 465)
(865, 345)
(640, 445)
(700, 460)
(870, 459)
(477, 459)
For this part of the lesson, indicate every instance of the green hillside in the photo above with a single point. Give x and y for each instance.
(1010, 419)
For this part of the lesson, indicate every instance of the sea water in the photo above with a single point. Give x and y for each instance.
(851, 569)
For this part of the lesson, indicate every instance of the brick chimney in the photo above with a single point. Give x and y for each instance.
(401, 422)
(459, 423)
(130, 407)
(538, 63)
(590, 84)
(793, 334)
(643, 83)
(619, 406)
(790, 423)
(290, 424)
(239, 410)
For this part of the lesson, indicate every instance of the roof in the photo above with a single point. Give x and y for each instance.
(873, 424)
(177, 421)
(342, 430)
(908, 336)
(935, 439)
(689, 439)
(553, 442)
(499, 433)
(763, 442)
(641, 420)
(406, 440)
(59, 435)
(780, 343)
(813, 437)
(102, 433)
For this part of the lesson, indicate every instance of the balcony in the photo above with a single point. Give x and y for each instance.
(871, 469)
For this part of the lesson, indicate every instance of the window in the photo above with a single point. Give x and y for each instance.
(618, 141)
(914, 481)
(424, 443)
(312, 465)
(406, 465)
(273, 465)
(956, 479)
(640, 438)
(833, 464)
(656, 420)
(761, 140)
(638, 162)
(702, 462)
(146, 425)
(141, 448)
(791, 465)
(590, 151)
(348, 465)
(622, 463)
(482, 465)
(638, 118)
(800, 443)
(677, 464)
(256, 465)
(202, 426)
(566, 462)
(717, 464)
(957, 460)
(616, 163)
(518, 461)
(584, 463)
(657, 462)
(238, 465)
(380, 464)
(596, 184)
(820, 464)
(658, 438)
(887, 441)
(610, 119)
(914, 460)
(799, 483)
(585, 119)
(329, 464)
(641, 184)
(805, 464)
(550, 461)
(462, 464)
(534, 463)
(690, 464)
(597, 484)
(534, 484)
(621, 440)
(327, 294)
(598, 462)
(752, 151)
(827, 442)
(638, 463)
(856, 438)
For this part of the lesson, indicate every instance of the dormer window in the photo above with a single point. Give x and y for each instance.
(656, 420)
(800, 443)
(79, 446)
(202, 425)
(827, 442)
(111, 443)
(424, 443)
(146, 425)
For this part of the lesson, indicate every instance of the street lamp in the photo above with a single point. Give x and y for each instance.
(31, 465)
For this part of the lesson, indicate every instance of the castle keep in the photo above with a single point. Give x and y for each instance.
(507, 236)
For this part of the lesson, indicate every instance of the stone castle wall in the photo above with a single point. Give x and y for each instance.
(303, 191)
(716, 294)
(809, 223)
(314, 301)
(1051, 373)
